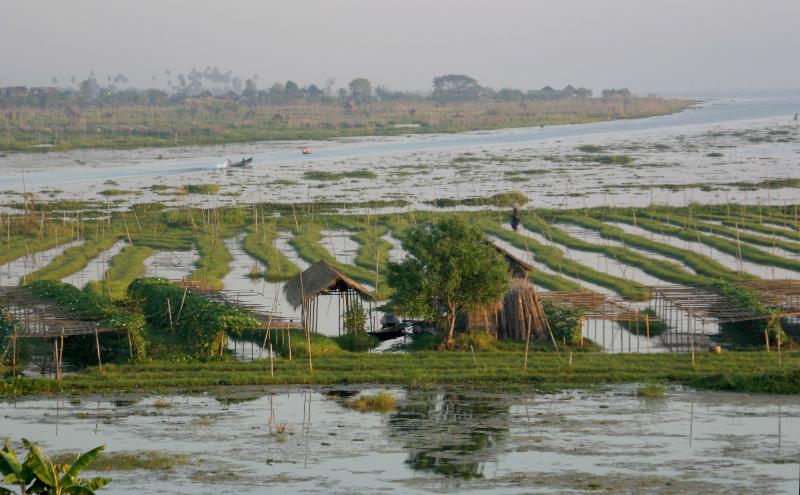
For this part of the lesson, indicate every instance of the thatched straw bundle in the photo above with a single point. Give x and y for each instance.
(517, 314)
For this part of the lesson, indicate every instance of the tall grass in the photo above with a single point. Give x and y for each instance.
(500, 370)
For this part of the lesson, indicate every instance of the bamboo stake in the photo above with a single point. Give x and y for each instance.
(271, 361)
(55, 358)
(14, 354)
(766, 338)
(97, 344)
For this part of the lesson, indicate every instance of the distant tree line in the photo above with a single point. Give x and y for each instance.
(214, 84)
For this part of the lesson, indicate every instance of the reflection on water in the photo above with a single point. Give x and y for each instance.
(450, 433)
(250, 440)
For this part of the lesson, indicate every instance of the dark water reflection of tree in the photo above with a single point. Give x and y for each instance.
(450, 433)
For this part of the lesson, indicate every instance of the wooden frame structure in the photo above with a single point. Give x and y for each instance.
(690, 311)
(598, 309)
(37, 318)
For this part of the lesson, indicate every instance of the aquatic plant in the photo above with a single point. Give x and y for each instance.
(201, 188)
(39, 474)
(651, 390)
(382, 402)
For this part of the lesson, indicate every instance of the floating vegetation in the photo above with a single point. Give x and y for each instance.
(382, 402)
(651, 390)
(117, 192)
(506, 199)
(605, 159)
(201, 188)
(334, 176)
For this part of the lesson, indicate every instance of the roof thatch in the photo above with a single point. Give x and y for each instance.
(319, 278)
(518, 268)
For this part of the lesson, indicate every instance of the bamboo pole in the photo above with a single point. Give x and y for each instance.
(97, 344)
(271, 361)
(14, 354)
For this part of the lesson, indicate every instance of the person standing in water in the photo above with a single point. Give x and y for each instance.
(515, 214)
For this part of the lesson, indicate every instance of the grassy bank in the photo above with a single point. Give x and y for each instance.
(498, 370)
(726, 245)
(213, 262)
(199, 122)
(670, 272)
(700, 263)
(123, 269)
(556, 260)
(259, 245)
(74, 259)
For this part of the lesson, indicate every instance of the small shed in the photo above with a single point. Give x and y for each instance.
(517, 267)
(321, 279)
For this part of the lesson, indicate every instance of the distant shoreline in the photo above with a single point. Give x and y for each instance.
(45, 130)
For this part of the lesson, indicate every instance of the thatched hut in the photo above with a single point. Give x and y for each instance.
(517, 267)
(320, 279)
(518, 314)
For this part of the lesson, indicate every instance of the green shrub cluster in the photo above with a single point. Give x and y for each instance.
(195, 322)
(90, 306)
(565, 322)
(750, 333)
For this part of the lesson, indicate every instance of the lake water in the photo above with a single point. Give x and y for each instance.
(292, 440)
(755, 136)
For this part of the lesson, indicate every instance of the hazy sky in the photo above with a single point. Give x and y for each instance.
(646, 45)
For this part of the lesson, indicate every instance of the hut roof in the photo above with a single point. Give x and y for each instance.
(514, 262)
(317, 279)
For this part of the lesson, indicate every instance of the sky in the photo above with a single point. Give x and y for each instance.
(645, 45)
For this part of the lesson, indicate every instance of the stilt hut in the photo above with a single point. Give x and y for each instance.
(323, 279)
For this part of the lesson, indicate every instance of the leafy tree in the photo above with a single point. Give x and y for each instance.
(250, 91)
(314, 92)
(360, 89)
(456, 87)
(450, 267)
(89, 88)
(291, 89)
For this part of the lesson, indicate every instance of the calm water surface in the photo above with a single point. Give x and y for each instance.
(444, 441)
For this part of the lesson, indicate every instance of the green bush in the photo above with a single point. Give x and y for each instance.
(356, 341)
(115, 346)
(747, 334)
(565, 322)
(191, 320)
